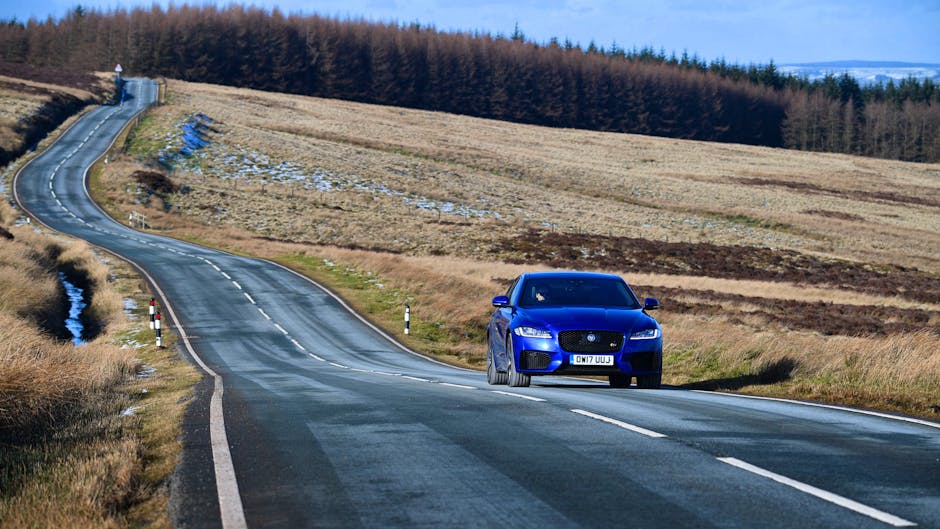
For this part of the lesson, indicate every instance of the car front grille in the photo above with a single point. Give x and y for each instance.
(581, 341)
(535, 360)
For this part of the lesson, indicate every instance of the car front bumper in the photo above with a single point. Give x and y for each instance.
(542, 356)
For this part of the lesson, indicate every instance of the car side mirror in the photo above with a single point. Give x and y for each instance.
(651, 304)
(501, 301)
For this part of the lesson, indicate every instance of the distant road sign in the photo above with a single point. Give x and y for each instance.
(118, 69)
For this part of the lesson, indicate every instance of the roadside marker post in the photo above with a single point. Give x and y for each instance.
(158, 326)
(407, 319)
(153, 309)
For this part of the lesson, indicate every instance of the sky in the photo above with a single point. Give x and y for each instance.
(743, 32)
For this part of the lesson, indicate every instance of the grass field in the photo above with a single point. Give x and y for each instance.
(89, 434)
(786, 273)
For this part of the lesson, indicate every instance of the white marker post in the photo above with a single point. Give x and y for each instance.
(158, 326)
(153, 310)
(407, 319)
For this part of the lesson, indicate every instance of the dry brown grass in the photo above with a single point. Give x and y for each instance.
(873, 212)
(578, 180)
(41, 378)
(897, 373)
(25, 265)
(69, 457)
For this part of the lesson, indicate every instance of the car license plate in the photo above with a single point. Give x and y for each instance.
(592, 360)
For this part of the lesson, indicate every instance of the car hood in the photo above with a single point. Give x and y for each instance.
(585, 318)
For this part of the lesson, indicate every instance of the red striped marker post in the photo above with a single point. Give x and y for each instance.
(157, 327)
(153, 309)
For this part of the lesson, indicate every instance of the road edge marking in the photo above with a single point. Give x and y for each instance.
(232, 512)
(872, 413)
(831, 497)
(230, 503)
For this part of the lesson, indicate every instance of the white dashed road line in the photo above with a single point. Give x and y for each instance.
(250, 299)
(461, 386)
(282, 329)
(519, 396)
(419, 379)
(841, 501)
(626, 426)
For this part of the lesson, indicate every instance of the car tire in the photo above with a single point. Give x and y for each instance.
(649, 381)
(516, 379)
(619, 380)
(493, 376)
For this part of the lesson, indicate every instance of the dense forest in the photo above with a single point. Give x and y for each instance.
(503, 77)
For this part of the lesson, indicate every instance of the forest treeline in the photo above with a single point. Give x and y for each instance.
(502, 77)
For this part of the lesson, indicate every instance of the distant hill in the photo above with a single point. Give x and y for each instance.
(865, 72)
(555, 84)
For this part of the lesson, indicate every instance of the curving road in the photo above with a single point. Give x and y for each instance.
(312, 418)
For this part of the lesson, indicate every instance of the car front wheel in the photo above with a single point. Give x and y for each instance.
(516, 379)
(649, 381)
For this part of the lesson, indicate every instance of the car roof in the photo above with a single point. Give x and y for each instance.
(569, 274)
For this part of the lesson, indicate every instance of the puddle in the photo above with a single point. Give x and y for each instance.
(76, 305)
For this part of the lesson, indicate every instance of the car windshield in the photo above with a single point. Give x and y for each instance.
(577, 292)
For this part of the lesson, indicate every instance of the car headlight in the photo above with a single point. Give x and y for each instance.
(646, 334)
(531, 332)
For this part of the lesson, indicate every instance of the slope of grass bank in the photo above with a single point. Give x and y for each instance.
(88, 434)
(36, 100)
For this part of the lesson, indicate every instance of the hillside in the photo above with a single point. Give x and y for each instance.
(782, 272)
(34, 101)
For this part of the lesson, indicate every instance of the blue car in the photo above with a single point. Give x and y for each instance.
(573, 323)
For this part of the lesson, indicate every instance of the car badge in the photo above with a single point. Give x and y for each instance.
(591, 337)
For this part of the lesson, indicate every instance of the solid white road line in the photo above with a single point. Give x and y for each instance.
(841, 501)
(519, 396)
(626, 426)
(921, 422)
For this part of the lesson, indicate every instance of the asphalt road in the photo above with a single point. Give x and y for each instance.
(328, 423)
